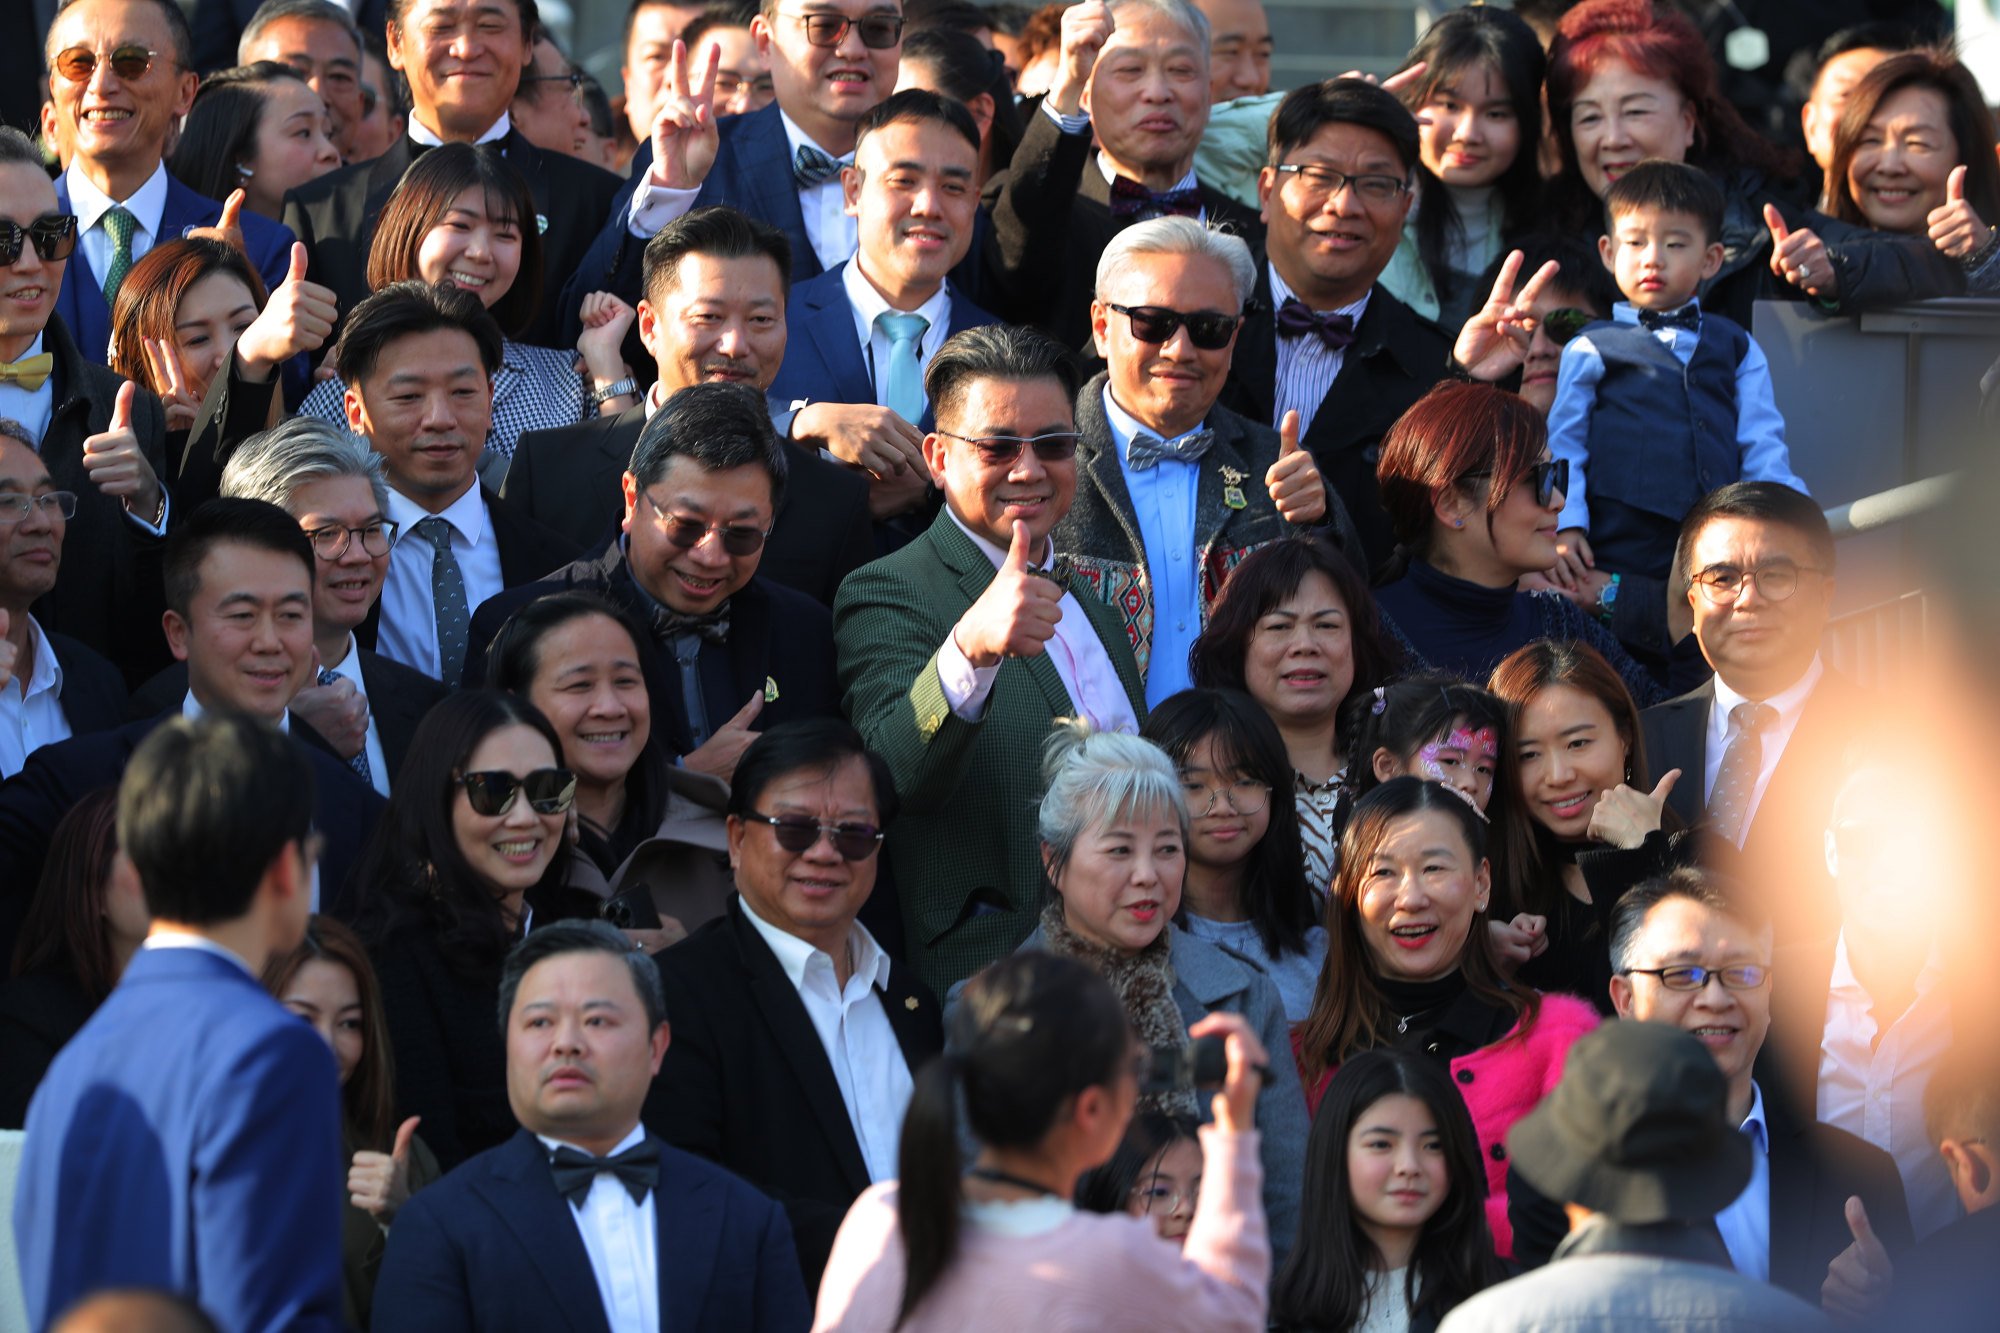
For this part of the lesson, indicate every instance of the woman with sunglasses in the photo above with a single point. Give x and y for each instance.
(464, 218)
(472, 852)
(1472, 496)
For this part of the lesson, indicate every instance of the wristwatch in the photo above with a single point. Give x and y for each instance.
(1607, 597)
(615, 389)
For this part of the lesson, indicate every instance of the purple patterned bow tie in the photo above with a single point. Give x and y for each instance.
(1296, 319)
(1130, 199)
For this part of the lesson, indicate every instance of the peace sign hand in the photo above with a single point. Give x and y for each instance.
(163, 368)
(1494, 342)
(685, 140)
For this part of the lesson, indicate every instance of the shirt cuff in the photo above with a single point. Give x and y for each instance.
(966, 687)
(654, 206)
(146, 525)
(1077, 124)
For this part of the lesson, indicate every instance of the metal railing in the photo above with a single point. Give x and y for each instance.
(1879, 641)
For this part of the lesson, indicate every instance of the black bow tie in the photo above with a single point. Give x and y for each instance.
(1296, 319)
(1130, 199)
(1687, 317)
(637, 1169)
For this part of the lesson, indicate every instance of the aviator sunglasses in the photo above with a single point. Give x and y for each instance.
(550, 790)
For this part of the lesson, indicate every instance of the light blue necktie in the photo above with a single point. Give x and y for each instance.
(902, 378)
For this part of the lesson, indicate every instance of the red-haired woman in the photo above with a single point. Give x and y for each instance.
(1472, 496)
(1631, 80)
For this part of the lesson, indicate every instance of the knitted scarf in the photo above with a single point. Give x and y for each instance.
(1144, 983)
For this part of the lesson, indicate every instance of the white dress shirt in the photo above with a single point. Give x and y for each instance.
(1078, 655)
(147, 205)
(1875, 1089)
(31, 714)
(1307, 367)
(621, 1236)
(35, 408)
(867, 304)
(409, 620)
(1746, 1224)
(419, 132)
(1163, 505)
(854, 1031)
(1791, 705)
(349, 666)
(834, 235)
(162, 938)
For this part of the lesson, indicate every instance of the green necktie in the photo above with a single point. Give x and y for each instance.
(120, 224)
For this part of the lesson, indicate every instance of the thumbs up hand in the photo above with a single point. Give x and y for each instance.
(229, 227)
(117, 466)
(1954, 228)
(1294, 482)
(1800, 257)
(1859, 1279)
(379, 1183)
(297, 318)
(1016, 616)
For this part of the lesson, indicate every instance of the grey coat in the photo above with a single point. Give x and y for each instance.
(1610, 1278)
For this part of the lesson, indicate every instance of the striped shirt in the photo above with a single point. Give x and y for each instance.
(1307, 367)
(1318, 803)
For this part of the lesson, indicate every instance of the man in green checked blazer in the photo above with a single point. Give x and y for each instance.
(958, 652)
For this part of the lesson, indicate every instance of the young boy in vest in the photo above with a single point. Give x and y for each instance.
(1658, 405)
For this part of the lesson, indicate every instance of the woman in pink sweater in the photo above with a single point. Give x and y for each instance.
(1044, 1059)
(1410, 965)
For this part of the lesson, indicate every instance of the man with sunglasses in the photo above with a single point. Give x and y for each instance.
(464, 61)
(51, 686)
(787, 992)
(959, 651)
(1198, 486)
(1766, 733)
(418, 362)
(120, 78)
(733, 649)
(1322, 336)
(1824, 1210)
(1133, 74)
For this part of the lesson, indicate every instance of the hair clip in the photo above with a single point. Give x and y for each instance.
(1381, 701)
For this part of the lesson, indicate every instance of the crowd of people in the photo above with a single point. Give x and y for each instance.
(951, 668)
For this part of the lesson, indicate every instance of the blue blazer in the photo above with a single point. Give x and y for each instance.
(492, 1248)
(81, 301)
(188, 1138)
(824, 362)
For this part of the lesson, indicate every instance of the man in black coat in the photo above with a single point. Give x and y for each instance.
(733, 648)
(1323, 338)
(1059, 204)
(749, 1081)
(714, 312)
(462, 77)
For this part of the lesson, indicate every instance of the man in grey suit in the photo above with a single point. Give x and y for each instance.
(1172, 489)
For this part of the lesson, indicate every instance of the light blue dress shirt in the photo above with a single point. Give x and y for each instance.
(1760, 431)
(1163, 504)
(1746, 1224)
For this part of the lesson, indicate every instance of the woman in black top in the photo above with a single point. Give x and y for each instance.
(472, 852)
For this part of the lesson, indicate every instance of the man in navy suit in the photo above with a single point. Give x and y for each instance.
(188, 1138)
(583, 1219)
(117, 183)
(863, 332)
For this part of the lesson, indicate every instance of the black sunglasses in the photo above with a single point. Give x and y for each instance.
(550, 790)
(1564, 324)
(53, 238)
(1209, 330)
(878, 32)
(796, 833)
(1001, 450)
(129, 62)
(1547, 477)
(688, 533)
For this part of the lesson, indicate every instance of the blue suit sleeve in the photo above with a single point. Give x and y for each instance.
(1760, 431)
(1577, 377)
(267, 1189)
(613, 262)
(422, 1285)
(782, 1306)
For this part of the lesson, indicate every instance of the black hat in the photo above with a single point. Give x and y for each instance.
(1638, 1129)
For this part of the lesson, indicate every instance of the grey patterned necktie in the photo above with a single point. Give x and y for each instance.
(1146, 451)
(454, 618)
(359, 761)
(1736, 780)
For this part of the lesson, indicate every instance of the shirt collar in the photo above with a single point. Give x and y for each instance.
(1754, 1126)
(147, 204)
(47, 677)
(994, 553)
(1789, 702)
(1110, 170)
(796, 137)
(429, 138)
(796, 955)
(191, 708)
(869, 303)
(162, 938)
(1124, 426)
(1281, 292)
(349, 664)
(467, 515)
(1842, 981)
(1624, 312)
(633, 1138)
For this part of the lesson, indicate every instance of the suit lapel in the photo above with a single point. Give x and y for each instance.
(1686, 727)
(1212, 512)
(688, 1228)
(767, 173)
(1357, 388)
(523, 1197)
(1792, 1221)
(1254, 363)
(911, 1016)
(620, 435)
(830, 324)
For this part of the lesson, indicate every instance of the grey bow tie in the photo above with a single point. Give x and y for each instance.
(1146, 451)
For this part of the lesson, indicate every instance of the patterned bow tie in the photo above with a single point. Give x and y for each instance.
(1129, 199)
(671, 624)
(1146, 451)
(637, 1169)
(1687, 317)
(30, 372)
(811, 167)
(1296, 319)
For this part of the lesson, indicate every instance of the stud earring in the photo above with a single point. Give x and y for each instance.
(1458, 523)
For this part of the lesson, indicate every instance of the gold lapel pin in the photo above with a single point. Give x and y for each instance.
(910, 1003)
(1232, 487)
